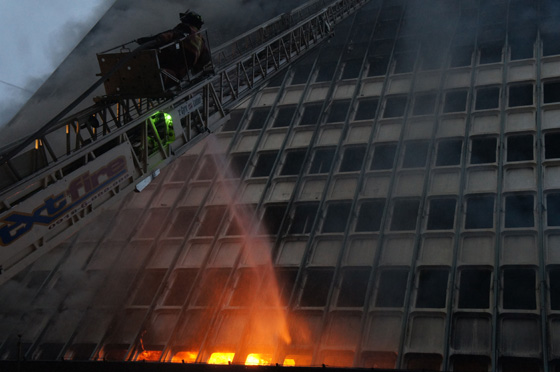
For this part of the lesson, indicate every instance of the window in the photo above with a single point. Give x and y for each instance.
(490, 53)
(183, 220)
(519, 291)
(384, 156)
(258, 119)
(394, 107)
(474, 289)
(554, 287)
(212, 286)
(519, 211)
(461, 56)
(520, 95)
(237, 164)
(378, 65)
(284, 116)
(392, 288)
(316, 288)
(550, 44)
(264, 165)
(208, 168)
(432, 288)
(426, 362)
(338, 111)
(449, 152)
(148, 287)
(404, 62)
(470, 363)
(211, 221)
(521, 48)
(337, 217)
(245, 289)
(182, 284)
(367, 108)
(326, 71)
(553, 209)
(311, 114)
(487, 98)
(353, 287)
(442, 214)
(301, 74)
(233, 123)
(353, 159)
(551, 92)
(415, 154)
(455, 101)
(370, 215)
(424, 104)
(303, 218)
(405, 213)
(293, 162)
(480, 212)
(352, 69)
(520, 148)
(552, 145)
(272, 218)
(285, 280)
(322, 160)
(520, 365)
(483, 150)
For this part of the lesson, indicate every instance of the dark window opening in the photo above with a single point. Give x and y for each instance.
(449, 152)
(404, 62)
(405, 214)
(386, 30)
(237, 164)
(487, 98)
(553, 209)
(378, 65)
(245, 289)
(461, 56)
(519, 211)
(551, 92)
(326, 72)
(490, 54)
(474, 289)
(81, 351)
(520, 95)
(394, 107)
(212, 286)
(520, 365)
(521, 48)
(322, 161)
(480, 212)
(432, 289)
(182, 222)
(424, 104)
(519, 289)
(337, 217)
(304, 217)
(301, 74)
(552, 145)
(352, 159)
(384, 156)
(338, 111)
(550, 44)
(415, 154)
(380, 360)
(392, 288)
(442, 214)
(293, 163)
(470, 363)
(284, 116)
(285, 280)
(211, 221)
(316, 288)
(353, 287)
(277, 80)
(264, 165)
(370, 215)
(352, 69)
(148, 287)
(425, 362)
(258, 119)
(432, 58)
(311, 114)
(520, 148)
(208, 168)
(483, 150)
(272, 218)
(554, 287)
(455, 101)
(233, 123)
(367, 109)
(182, 284)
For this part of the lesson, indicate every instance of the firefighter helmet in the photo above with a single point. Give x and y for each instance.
(191, 18)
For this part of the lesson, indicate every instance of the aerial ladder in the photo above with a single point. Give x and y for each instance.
(57, 179)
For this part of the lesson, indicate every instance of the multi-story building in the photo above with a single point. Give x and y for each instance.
(392, 200)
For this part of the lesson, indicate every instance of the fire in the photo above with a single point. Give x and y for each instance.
(149, 355)
(184, 357)
(288, 362)
(221, 358)
(258, 360)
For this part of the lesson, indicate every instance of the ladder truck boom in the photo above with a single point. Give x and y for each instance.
(56, 180)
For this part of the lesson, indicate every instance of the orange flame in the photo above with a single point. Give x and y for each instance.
(221, 358)
(184, 357)
(258, 360)
(149, 355)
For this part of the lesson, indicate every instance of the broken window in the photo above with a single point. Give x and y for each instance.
(551, 92)
(311, 114)
(552, 145)
(264, 165)
(237, 164)
(553, 209)
(378, 65)
(148, 287)
(455, 101)
(449, 152)
(338, 111)
(212, 286)
(370, 215)
(182, 283)
(487, 98)
(384, 156)
(272, 218)
(352, 159)
(353, 287)
(352, 69)
(284, 116)
(285, 280)
(483, 150)
(518, 287)
(394, 107)
(211, 221)
(432, 288)
(424, 104)
(474, 289)
(405, 214)
(461, 56)
(391, 290)
(258, 119)
(520, 95)
(208, 168)
(246, 286)
(519, 211)
(490, 53)
(520, 148)
(293, 162)
(322, 160)
(233, 123)
(316, 287)
(183, 219)
(480, 212)
(442, 214)
(554, 287)
(367, 109)
(304, 216)
(337, 217)
(415, 154)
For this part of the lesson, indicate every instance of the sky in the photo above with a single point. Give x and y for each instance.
(50, 59)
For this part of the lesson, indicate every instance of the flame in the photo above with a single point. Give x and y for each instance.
(149, 355)
(288, 362)
(184, 357)
(297, 360)
(221, 358)
(258, 360)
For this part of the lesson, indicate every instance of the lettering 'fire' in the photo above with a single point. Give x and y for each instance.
(86, 182)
